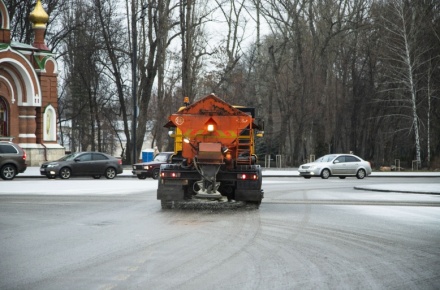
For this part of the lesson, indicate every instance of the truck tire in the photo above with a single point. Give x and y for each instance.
(254, 204)
(142, 176)
(166, 204)
(227, 191)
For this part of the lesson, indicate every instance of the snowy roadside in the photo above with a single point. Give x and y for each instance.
(270, 172)
(127, 182)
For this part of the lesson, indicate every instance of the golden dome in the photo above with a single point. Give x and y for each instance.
(39, 17)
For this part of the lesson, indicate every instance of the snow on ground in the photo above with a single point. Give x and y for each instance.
(126, 185)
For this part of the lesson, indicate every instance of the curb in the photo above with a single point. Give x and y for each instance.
(435, 192)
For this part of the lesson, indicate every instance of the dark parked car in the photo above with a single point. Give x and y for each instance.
(152, 168)
(12, 160)
(93, 164)
(341, 165)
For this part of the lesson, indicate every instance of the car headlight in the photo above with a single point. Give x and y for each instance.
(53, 165)
(312, 167)
(146, 167)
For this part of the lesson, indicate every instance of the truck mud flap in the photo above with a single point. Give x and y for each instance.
(170, 192)
(249, 195)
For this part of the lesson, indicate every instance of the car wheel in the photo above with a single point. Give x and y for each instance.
(325, 174)
(360, 174)
(96, 176)
(110, 173)
(155, 173)
(142, 176)
(342, 177)
(50, 176)
(307, 177)
(65, 173)
(8, 172)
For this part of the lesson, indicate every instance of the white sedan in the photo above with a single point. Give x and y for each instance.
(341, 165)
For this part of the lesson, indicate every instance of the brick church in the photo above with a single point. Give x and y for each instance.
(28, 90)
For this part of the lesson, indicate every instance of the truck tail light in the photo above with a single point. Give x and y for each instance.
(247, 176)
(170, 174)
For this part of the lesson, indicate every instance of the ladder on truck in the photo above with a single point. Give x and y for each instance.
(244, 147)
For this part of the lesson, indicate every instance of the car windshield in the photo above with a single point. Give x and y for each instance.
(69, 157)
(326, 158)
(161, 157)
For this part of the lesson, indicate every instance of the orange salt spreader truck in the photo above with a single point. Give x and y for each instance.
(215, 157)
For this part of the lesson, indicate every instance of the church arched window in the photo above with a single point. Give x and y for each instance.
(49, 124)
(3, 118)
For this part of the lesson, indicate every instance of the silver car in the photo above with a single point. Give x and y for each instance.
(341, 165)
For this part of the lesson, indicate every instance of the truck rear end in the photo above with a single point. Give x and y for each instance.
(216, 143)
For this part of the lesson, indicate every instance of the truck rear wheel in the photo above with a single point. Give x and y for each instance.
(228, 191)
(166, 204)
(254, 204)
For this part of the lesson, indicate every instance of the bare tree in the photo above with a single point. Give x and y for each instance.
(196, 47)
(405, 59)
(314, 77)
(232, 12)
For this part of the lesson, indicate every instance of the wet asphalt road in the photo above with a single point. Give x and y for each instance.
(307, 234)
